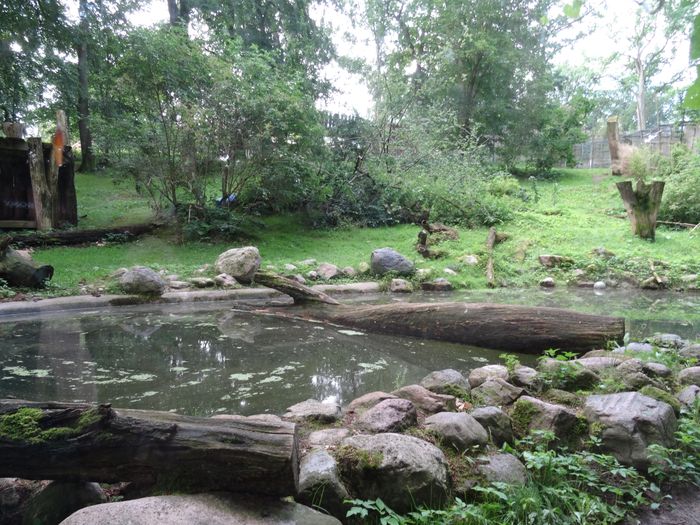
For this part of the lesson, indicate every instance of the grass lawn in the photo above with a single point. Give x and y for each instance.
(571, 215)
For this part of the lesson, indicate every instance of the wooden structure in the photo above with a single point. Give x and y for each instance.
(33, 192)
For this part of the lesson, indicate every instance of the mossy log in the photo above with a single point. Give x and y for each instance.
(642, 205)
(69, 441)
(20, 270)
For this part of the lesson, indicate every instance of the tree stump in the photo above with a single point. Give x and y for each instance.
(614, 146)
(642, 205)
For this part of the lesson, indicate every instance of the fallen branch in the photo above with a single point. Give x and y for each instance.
(297, 291)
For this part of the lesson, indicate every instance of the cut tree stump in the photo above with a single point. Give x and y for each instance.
(70, 441)
(642, 205)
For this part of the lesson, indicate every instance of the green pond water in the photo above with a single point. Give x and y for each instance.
(206, 359)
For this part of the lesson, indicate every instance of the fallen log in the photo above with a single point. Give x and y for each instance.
(19, 270)
(75, 237)
(70, 441)
(297, 291)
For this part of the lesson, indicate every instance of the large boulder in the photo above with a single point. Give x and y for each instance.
(320, 485)
(313, 410)
(404, 471)
(631, 422)
(239, 263)
(327, 437)
(496, 423)
(502, 468)
(447, 381)
(390, 415)
(142, 281)
(496, 392)
(690, 351)
(525, 376)
(568, 375)
(689, 376)
(457, 429)
(367, 401)
(200, 509)
(426, 401)
(385, 260)
(328, 271)
(530, 413)
(479, 375)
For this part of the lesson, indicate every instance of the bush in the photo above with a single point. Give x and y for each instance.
(214, 223)
(681, 200)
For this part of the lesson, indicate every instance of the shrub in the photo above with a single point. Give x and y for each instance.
(681, 171)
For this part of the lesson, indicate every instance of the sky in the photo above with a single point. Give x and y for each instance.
(352, 95)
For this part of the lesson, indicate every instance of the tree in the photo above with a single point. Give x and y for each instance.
(88, 158)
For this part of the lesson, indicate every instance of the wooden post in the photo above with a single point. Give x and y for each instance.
(43, 202)
(614, 146)
(642, 205)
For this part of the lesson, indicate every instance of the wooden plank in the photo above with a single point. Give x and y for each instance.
(18, 224)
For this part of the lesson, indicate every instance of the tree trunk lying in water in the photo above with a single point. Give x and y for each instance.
(69, 441)
(498, 326)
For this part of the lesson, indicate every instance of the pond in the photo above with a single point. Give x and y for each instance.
(204, 359)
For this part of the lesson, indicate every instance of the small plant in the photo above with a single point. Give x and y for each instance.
(5, 290)
(510, 361)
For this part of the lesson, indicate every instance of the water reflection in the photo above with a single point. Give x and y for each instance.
(217, 360)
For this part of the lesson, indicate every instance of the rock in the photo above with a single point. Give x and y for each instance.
(312, 275)
(309, 262)
(668, 340)
(363, 267)
(425, 400)
(178, 285)
(530, 413)
(469, 260)
(367, 401)
(224, 280)
(597, 364)
(689, 376)
(312, 410)
(385, 260)
(662, 395)
(328, 437)
(599, 285)
(457, 429)
(60, 499)
(690, 351)
(637, 381)
(656, 369)
(239, 263)
(449, 271)
(630, 423)
(445, 382)
(496, 423)
(203, 269)
(639, 347)
(328, 271)
(689, 394)
(547, 282)
(605, 353)
(142, 281)
(479, 375)
(298, 278)
(502, 468)
(568, 375)
(116, 274)
(553, 261)
(348, 271)
(630, 366)
(689, 278)
(390, 415)
(496, 392)
(202, 282)
(320, 485)
(524, 376)
(602, 252)
(423, 273)
(404, 471)
(437, 285)
(14, 495)
(400, 286)
(562, 397)
(290, 267)
(200, 509)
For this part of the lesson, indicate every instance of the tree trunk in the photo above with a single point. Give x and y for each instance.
(490, 243)
(614, 146)
(42, 188)
(70, 441)
(76, 237)
(20, 270)
(297, 291)
(87, 163)
(642, 205)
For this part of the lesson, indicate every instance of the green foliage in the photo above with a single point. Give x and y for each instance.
(511, 362)
(679, 464)
(220, 224)
(661, 395)
(681, 171)
(5, 290)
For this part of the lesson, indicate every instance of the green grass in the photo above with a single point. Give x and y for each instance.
(572, 217)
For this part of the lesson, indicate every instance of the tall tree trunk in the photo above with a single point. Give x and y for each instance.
(614, 146)
(88, 158)
(641, 95)
(179, 13)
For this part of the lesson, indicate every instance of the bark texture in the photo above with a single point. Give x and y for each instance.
(642, 205)
(98, 443)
